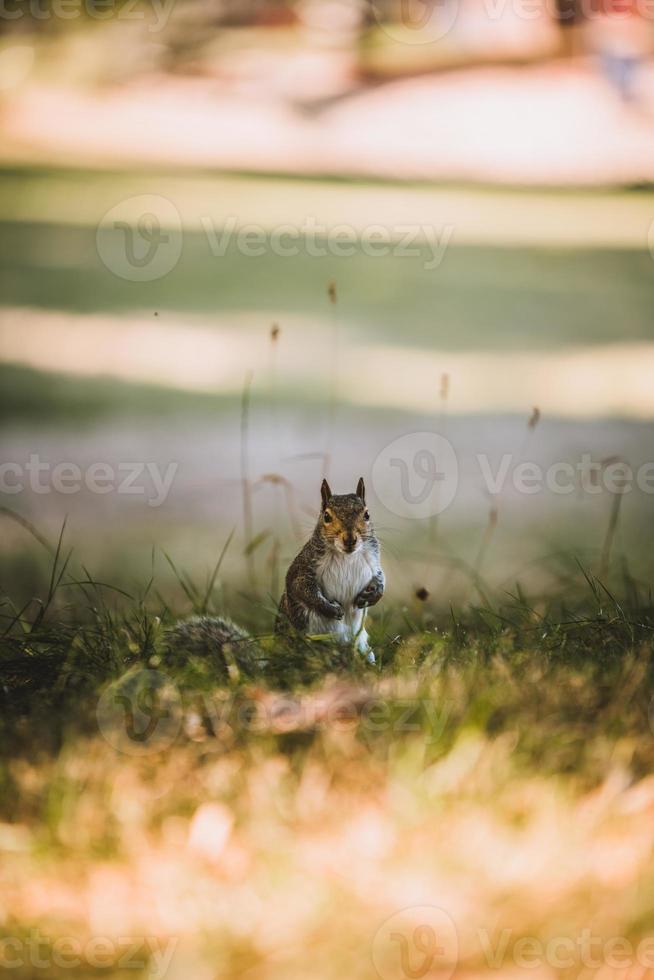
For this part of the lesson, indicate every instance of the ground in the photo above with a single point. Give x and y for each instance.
(478, 804)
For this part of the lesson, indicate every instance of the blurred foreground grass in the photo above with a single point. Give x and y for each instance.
(266, 822)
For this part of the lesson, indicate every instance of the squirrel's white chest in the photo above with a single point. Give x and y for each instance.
(342, 577)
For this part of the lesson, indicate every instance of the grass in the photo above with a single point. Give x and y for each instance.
(278, 810)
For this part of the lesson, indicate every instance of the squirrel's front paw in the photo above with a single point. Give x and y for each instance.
(335, 610)
(370, 595)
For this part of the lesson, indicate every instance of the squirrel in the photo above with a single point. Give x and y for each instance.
(334, 579)
(337, 574)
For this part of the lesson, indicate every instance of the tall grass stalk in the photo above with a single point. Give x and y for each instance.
(609, 537)
(274, 347)
(277, 480)
(27, 526)
(493, 514)
(486, 539)
(245, 481)
(333, 378)
(442, 422)
(274, 426)
(274, 569)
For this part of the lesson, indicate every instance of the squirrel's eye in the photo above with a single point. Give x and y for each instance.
(327, 518)
(366, 516)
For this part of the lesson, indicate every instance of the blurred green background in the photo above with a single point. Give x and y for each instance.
(515, 163)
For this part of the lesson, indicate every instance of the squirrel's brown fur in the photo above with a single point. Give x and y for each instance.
(337, 574)
(211, 637)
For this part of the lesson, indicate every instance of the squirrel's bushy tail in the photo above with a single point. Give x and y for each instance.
(212, 638)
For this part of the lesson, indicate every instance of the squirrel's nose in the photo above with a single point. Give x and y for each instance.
(349, 540)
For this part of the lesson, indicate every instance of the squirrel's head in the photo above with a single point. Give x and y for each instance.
(344, 521)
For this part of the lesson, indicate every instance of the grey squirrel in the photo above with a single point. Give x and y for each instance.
(336, 576)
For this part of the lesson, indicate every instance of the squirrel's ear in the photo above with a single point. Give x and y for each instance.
(361, 489)
(325, 493)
